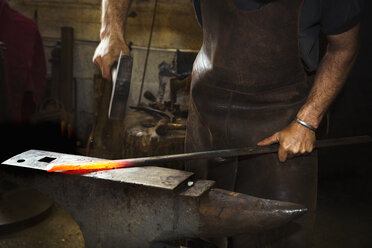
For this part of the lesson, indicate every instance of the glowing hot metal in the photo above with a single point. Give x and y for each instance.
(122, 163)
(81, 167)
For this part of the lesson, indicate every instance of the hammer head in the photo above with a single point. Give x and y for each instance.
(121, 77)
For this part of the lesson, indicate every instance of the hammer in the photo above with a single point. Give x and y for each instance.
(121, 77)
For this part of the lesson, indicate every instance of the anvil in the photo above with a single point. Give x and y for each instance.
(142, 206)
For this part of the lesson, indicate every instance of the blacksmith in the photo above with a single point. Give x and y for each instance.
(257, 81)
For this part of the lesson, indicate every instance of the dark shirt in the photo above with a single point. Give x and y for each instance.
(327, 16)
(25, 60)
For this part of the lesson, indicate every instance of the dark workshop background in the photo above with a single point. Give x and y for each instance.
(345, 188)
(73, 26)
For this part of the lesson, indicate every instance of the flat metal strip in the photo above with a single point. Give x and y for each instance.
(152, 176)
(39, 160)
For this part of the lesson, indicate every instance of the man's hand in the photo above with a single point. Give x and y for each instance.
(114, 15)
(294, 140)
(332, 73)
(107, 53)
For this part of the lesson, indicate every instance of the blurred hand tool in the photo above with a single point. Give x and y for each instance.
(121, 77)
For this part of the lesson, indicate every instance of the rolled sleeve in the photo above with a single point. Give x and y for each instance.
(338, 16)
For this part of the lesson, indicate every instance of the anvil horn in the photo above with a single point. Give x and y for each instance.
(226, 213)
(139, 206)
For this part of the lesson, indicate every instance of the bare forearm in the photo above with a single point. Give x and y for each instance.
(114, 15)
(331, 76)
(296, 139)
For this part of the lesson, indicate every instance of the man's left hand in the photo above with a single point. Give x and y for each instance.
(294, 140)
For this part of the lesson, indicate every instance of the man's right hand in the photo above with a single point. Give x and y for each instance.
(107, 53)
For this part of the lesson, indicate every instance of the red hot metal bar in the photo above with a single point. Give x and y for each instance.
(142, 206)
(122, 163)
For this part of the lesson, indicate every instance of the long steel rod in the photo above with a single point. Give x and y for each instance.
(247, 151)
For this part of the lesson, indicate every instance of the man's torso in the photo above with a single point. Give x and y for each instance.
(330, 16)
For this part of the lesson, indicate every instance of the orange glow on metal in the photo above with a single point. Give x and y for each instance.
(80, 167)
(79, 172)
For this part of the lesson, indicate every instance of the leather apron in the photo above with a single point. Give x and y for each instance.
(248, 82)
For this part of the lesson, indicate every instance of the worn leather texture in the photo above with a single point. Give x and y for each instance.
(248, 82)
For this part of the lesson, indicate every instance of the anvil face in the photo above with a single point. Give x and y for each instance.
(135, 207)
